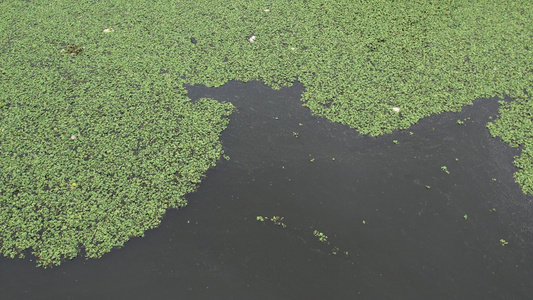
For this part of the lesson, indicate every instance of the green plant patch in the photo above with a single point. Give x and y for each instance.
(98, 138)
(94, 173)
(515, 126)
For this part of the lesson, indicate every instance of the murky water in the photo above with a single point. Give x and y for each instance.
(394, 237)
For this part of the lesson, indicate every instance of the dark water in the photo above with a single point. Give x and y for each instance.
(415, 243)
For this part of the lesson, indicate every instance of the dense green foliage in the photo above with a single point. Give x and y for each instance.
(98, 137)
(515, 126)
(96, 172)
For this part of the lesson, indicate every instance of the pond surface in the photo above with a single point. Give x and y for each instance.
(400, 226)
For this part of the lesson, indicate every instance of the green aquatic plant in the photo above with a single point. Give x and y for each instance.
(101, 102)
(515, 126)
(278, 221)
(321, 236)
(114, 180)
(503, 242)
(445, 169)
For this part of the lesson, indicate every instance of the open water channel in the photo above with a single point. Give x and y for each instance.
(397, 225)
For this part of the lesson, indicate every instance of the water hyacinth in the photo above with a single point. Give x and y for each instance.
(106, 108)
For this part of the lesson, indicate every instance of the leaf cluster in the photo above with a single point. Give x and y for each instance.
(515, 126)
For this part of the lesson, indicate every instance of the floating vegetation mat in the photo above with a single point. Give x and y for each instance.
(98, 138)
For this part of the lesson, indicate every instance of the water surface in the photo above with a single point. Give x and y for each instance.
(395, 238)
